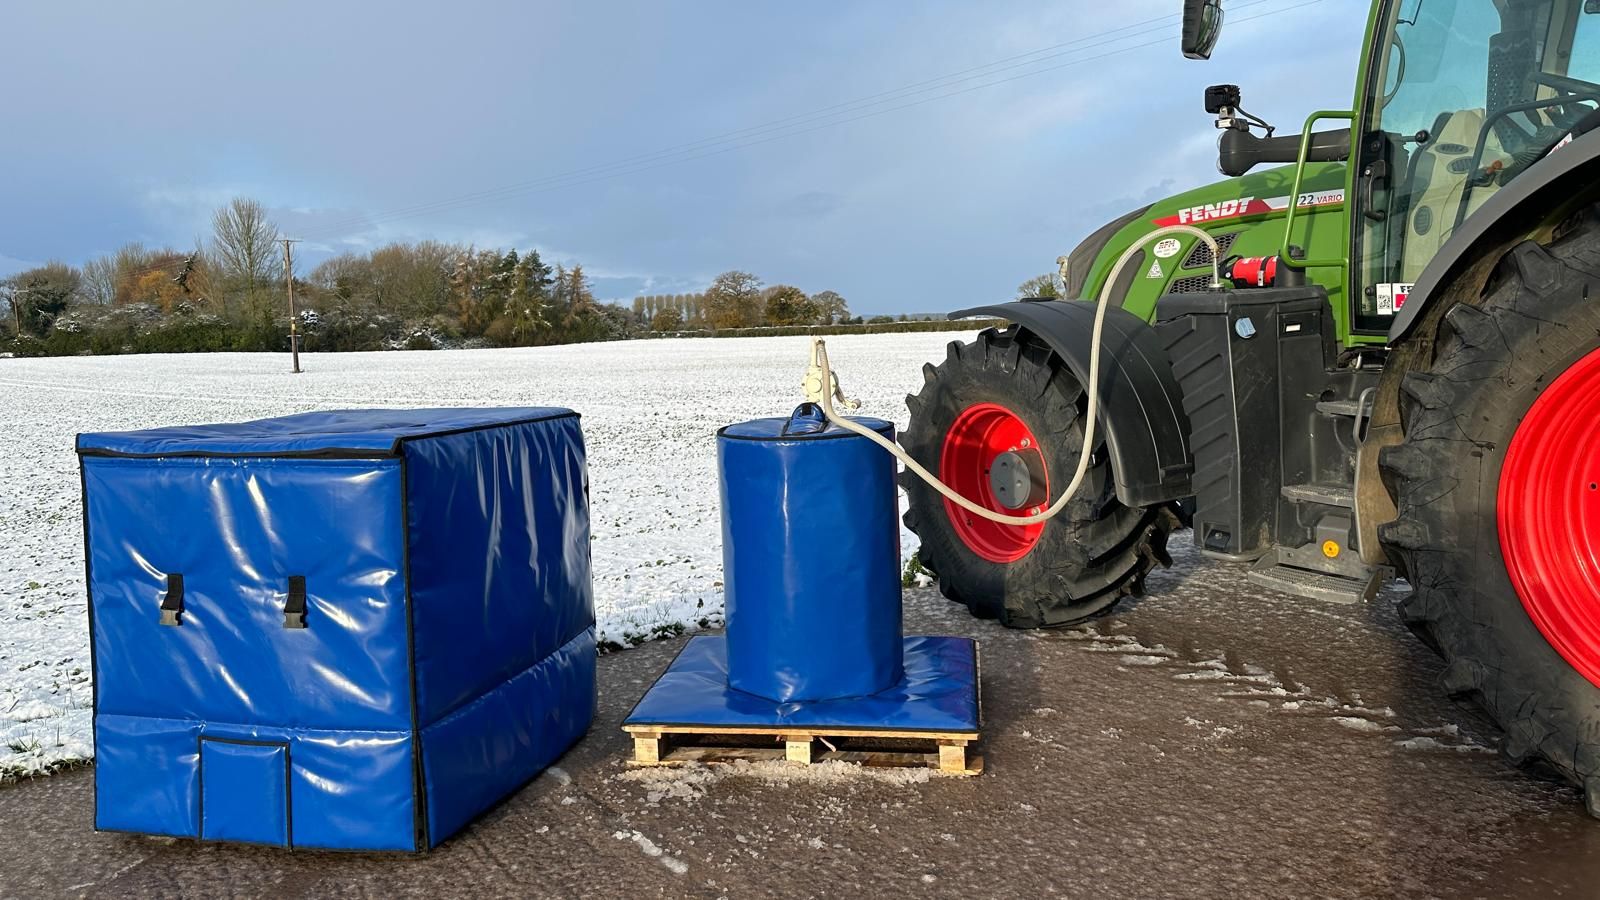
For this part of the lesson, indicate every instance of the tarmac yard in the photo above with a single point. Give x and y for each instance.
(1207, 740)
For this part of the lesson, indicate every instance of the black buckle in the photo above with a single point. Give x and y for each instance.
(294, 608)
(172, 601)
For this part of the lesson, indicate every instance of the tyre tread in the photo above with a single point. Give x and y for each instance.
(1550, 715)
(1109, 548)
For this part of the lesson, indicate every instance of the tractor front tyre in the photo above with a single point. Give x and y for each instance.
(1001, 422)
(1498, 488)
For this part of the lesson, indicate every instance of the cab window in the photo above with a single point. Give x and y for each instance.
(1465, 96)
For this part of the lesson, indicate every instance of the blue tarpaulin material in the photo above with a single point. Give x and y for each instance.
(939, 692)
(348, 630)
(811, 557)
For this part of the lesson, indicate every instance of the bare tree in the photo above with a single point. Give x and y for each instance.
(1037, 286)
(343, 276)
(111, 279)
(246, 244)
(99, 283)
(412, 280)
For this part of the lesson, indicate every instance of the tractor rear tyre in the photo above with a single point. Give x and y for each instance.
(1498, 488)
(1001, 421)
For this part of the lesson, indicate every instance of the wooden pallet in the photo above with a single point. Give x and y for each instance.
(949, 753)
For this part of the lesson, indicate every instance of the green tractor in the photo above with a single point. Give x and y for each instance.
(1398, 374)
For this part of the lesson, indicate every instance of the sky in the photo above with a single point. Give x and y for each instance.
(657, 143)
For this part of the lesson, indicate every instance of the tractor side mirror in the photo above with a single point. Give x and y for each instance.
(1202, 25)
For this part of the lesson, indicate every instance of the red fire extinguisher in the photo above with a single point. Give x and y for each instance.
(1252, 271)
(1263, 271)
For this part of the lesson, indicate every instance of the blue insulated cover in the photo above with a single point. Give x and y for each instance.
(244, 791)
(811, 558)
(441, 560)
(503, 609)
(346, 432)
(938, 693)
(234, 529)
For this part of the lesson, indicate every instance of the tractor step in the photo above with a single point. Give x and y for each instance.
(1340, 495)
(1323, 586)
(1350, 408)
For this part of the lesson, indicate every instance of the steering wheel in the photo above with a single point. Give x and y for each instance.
(1535, 141)
(1519, 140)
(1571, 86)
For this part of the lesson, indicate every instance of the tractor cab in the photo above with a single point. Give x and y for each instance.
(1456, 99)
(1463, 97)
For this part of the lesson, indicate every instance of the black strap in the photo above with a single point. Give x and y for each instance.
(172, 601)
(294, 608)
(807, 418)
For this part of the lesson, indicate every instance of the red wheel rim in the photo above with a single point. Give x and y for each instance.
(979, 435)
(1549, 514)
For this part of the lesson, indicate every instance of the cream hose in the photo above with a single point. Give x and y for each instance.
(822, 387)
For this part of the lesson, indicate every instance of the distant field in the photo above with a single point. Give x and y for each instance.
(924, 324)
(650, 411)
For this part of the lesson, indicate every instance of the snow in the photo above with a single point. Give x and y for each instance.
(1357, 723)
(1428, 743)
(651, 849)
(690, 783)
(1258, 687)
(1144, 660)
(660, 783)
(650, 413)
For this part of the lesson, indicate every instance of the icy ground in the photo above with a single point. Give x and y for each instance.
(650, 411)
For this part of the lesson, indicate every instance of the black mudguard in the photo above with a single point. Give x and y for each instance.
(1141, 407)
(1566, 178)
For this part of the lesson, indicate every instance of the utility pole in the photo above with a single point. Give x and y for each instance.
(294, 324)
(16, 307)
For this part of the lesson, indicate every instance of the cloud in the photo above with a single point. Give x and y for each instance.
(931, 206)
(811, 204)
(10, 265)
(624, 288)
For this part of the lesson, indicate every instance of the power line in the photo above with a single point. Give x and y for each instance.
(816, 120)
(647, 162)
(834, 110)
(555, 183)
(288, 281)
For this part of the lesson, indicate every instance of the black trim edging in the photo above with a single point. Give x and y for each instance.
(396, 448)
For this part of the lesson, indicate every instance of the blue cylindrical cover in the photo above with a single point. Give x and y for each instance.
(811, 558)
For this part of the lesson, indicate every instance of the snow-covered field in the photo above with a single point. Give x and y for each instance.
(650, 411)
